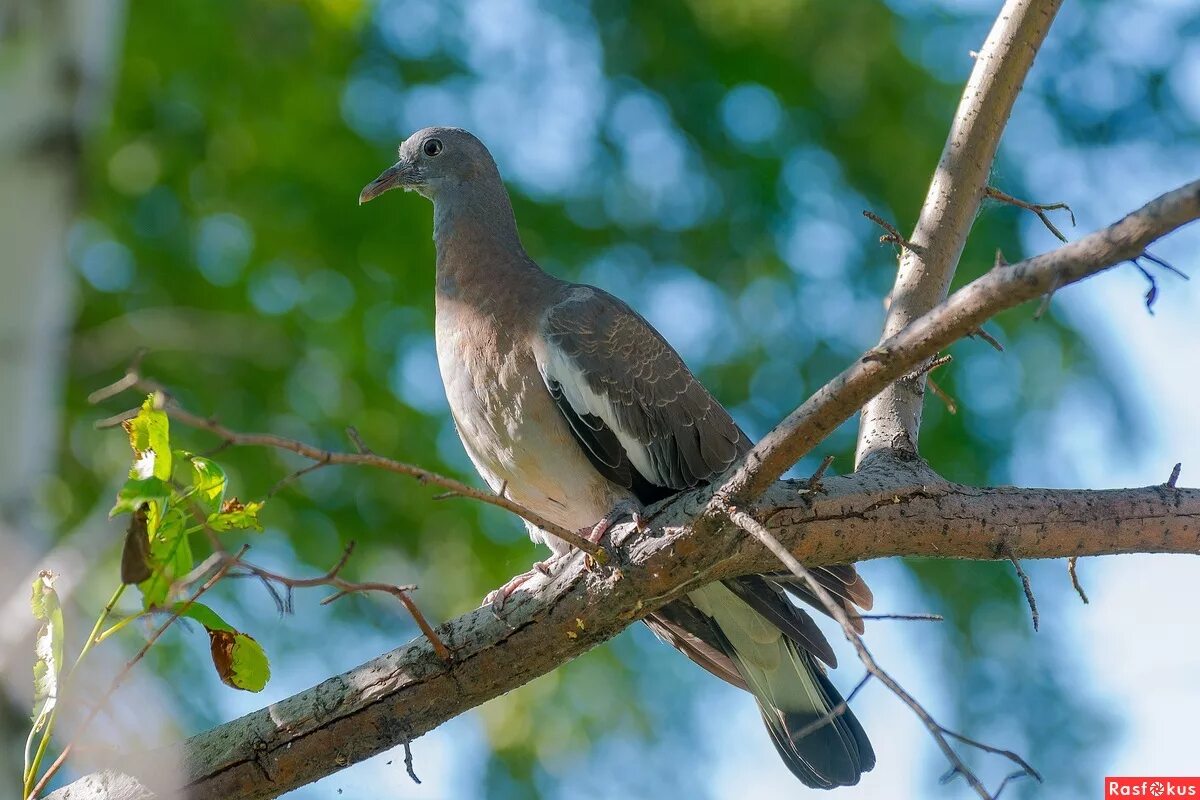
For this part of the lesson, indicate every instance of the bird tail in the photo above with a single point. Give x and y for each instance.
(793, 694)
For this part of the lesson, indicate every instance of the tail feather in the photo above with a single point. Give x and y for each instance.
(792, 693)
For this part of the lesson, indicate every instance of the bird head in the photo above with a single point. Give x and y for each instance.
(431, 161)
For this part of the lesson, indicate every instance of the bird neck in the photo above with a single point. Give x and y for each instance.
(478, 247)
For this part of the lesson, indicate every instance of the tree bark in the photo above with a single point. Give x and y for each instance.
(892, 420)
(402, 694)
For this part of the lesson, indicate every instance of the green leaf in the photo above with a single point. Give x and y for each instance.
(210, 619)
(208, 483)
(238, 658)
(170, 557)
(48, 647)
(235, 515)
(141, 490)
(150, 439)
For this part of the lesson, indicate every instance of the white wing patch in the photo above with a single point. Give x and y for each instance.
(560, 368)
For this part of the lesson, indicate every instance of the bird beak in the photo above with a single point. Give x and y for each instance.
(399, 174)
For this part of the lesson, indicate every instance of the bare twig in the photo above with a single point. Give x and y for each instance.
(297, 475)
(892, 236)
(943, 395)
(835, 609)
(333, 579)
(408, 761)
(1071, 570)
(1038, 208)
(329, 457)
(1152, 292)
(1170, 484)
(813, 484)
(1027, 586)
(930, 366)
(908, 617)
(981, 333)
(353, 435)
(1044, 306)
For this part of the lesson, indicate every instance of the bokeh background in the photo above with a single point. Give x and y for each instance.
(181, 176)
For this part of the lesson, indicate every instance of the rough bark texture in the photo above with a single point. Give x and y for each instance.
(892, 420)
(409, 691)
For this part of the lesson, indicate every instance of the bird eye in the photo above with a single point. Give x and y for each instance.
(432, 147)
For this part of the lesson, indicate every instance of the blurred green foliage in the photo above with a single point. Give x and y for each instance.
(707, 161)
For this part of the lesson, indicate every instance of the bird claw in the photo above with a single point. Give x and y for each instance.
(498, 597)
(597, 531)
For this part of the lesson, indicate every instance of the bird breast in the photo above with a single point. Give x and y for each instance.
(509, 425)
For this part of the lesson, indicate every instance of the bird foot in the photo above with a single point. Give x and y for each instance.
(626, 508)
(498, 597)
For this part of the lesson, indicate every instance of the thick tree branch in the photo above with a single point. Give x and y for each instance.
(405, 693)
(893, 418)
(884, 509)
(1001, 288)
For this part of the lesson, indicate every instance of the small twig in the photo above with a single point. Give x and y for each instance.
(833, 713)
(1027, 586)
(892, 236)
(1071, 570)
(1009, 778)
(911, 617)
(1038, 208)
(297, 475)
(813, 484)
(1044, 306)
(368, 459)
(942, 395)
(987, 337)
(1000, 260)
(1152, 292)
(333, 579)
(939, 732)
(408, 761)
(1171, 481)
(356, 439)
(931, 366)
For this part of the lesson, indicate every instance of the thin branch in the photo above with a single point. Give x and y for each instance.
(324, 457)
(408, 761)
(892, 236)
(1027, 586)
(814, 482)
(943, 395)
(1037, 208)
(835, 609)
(907, 617)
(893, 419)
(1071, 570)
(987, 337)
(1170, 484)
(962, 313)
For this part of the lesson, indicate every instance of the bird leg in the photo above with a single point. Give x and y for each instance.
(626, 508)
(498, 597)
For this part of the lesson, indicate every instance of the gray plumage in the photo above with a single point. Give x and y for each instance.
(570, 402)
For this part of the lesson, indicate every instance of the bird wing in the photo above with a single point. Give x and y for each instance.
(643, 419)
(647, 424)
